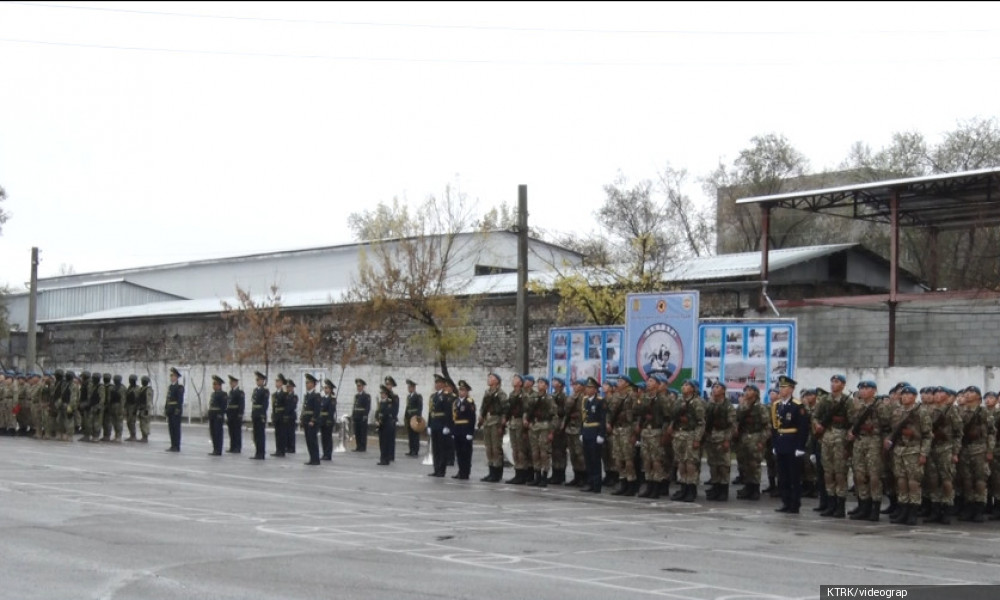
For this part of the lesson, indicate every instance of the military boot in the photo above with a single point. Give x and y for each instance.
(488, 478)
(772, 487)
(743, 493)
(558, 476)
(856, 509)
(911, 516)
(838, 511)
(995, 513)
(738, 480)
(926, 508)
(721, 493)
(978, 515)
(692, 493)
(711, 491)
(945, 517)
(583, 479)
(622, 487)
(543, 481)
(647, 490)
(831, 507)
(654, 487)
(893, 507)
(664, 489)
(145, 439)
(754, 492)
(518, 477)
(863, 509)
(680, 493)
(535, 478)
(575, 480)
(901, 515)
(876, 511)
(631, 488)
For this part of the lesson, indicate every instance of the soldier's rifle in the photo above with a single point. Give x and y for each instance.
(856, 428)
(898, 429)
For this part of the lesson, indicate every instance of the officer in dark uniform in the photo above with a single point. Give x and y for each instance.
(595, 423)
(414, 407)
(173, 408)
(439, 425)
(790, 444)
(391, 384)
(464, 431)
(216, 414)
(258, 415)
(278, 416)
(385, 424)
(327, 418)
(310, 419)
(291, 415)
(359, 414)
(234, 415)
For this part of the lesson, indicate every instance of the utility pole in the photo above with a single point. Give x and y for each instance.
(32, 311)
(521, 363)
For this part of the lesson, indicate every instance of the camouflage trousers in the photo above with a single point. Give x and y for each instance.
(652, 454)
(63, 422)
(132, 413)
(520, 448)
(7, 413)
(493, 441)
(96, 422)
(687, 456)
(39, 416)
(810, 472)
(867, 463)
(749, 453)
(973, 472)
(940, 473)
(574, 446)
(623, 452)
(717, 453)
(113, 416)
(541, 447)
(909, 474)
(24, 415)
(835, 462)
(559, 449)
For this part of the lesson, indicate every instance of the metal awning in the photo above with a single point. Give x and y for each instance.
(941, 202)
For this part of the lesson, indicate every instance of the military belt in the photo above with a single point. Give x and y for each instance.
(591, 424)
(462, 422)
(788, 430)
(437, 414)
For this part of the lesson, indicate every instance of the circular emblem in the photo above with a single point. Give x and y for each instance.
(659, 350)
(661, 306)
(688, 303)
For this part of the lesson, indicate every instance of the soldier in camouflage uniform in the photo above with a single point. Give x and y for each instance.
(22, 405)
(572, 422)
(55, 387)
(131, 404)
(559, 442)
(6, 402)
(66, 402)
(720, 423)
(909, 443)
(830, 425)
(667, 398)
(946, 432)
(539, 421)
(812, 467)
(493, 420)
(888, 473)
(519, 446)
(607, 459)
(649, 428)
(621, 424)
(81, 416)
(116, 408)
(686, 432)
(94, 409)
(978, 441)
(753, 428)
(868, 418)
(992, 504)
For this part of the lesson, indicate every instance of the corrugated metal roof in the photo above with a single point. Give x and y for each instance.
(727, 266)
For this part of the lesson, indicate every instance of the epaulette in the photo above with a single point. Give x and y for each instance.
(796, 401)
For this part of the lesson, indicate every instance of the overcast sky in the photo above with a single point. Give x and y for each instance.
(142, 133)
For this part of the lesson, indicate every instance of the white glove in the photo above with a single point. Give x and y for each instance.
(429, 431)
(581, 437)
(774, 452)
(468, 437)
(638, 444)
(446, 431)
(799, 453)
(812, 458)
(600, 440)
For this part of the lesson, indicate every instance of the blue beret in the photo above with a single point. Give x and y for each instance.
(541, 379)
(973, 388)
(693, 383)
(530, 378)
(581, 381)
(990, 395)
(718, 383)
(807, 392)
(641, 385)
(839, 378)
(662, 378)
(561, 381)
(751, 387)
(908, 389)
(675, 391)
(867, 383)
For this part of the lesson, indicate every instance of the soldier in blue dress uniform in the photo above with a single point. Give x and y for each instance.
(465, 428)
(595, 422)
(234, 415)
(216, 414)
(310, 419)
(790, 436)
(327, 418)
(394, 409)
(414, 407)
(259, 402)
(278, 416)
(291, 415)
(439, 425)
(174, 408)
(385, 424)
(362, 406)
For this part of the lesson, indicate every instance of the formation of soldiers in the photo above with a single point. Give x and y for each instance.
(931, 453)
(59, 404)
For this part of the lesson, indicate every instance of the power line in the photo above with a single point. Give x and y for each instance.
(512, 62)
(510, 28)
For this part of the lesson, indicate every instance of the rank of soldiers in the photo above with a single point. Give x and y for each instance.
(927, 454)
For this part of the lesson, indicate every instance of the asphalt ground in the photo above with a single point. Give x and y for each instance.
(117, 521)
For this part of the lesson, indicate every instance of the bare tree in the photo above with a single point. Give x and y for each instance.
(411, 274)
(258, 325)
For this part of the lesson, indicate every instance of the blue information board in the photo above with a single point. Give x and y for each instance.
(661, 329)
(740, 352)
(581, 352)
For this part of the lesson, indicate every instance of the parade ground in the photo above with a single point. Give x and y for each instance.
(122, 521)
